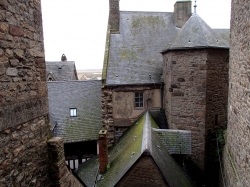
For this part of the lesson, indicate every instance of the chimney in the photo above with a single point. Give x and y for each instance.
(182, 12)
(114, 16)
(103, 151)
(63, 58)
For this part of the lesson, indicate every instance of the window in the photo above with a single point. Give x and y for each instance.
(72, 112)
(138, 100)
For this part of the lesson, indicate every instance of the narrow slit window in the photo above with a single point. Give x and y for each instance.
(138, 100)
(73, 112)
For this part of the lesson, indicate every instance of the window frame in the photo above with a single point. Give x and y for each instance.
(73, 111)
(137, 104)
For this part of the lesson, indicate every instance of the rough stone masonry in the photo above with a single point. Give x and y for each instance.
(236, 153)
(24, 122)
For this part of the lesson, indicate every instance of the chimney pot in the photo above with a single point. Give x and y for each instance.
(63, 58)
(103, 150)
(182, 12)
(114, 16)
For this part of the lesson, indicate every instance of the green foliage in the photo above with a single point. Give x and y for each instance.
(220, 137)
(108, 166)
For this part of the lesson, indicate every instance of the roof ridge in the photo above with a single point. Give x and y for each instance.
(146, 138)
(202, 30)
(142, 11)
(211, 30)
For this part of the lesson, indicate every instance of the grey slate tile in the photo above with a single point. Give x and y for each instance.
(62, 71)
(134, 56)
(83, 95)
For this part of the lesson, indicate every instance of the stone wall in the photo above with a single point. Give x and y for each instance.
(196, 96)
(217, 67)
(236, 153)
(24, 122)
(107, 114)
(59, 174)
(185, 96)
(24, 158)
(143, 173)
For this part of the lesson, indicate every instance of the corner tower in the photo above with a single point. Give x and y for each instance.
(196, 89)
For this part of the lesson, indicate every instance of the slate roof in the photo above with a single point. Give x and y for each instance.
(140, 138)
(134, 53)
(83, 95)
(62, 70)
(195, 34)
(175, 141)
(223, 33)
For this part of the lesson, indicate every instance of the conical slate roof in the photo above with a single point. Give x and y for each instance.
(196, 33)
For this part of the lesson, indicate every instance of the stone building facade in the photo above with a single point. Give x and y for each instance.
(118, 107)
(196, 83)
(24, 119)
(236, 153)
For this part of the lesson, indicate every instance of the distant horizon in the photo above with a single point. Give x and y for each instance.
(87, 69)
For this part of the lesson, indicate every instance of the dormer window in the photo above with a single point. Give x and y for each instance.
(73, 112)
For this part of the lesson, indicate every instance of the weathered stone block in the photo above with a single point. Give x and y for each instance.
(11, 72)
(2, 15)
(181, 79)
(200, 89)
(4, 27)
(16, 31)
(177, 93)
(18, 150)
(19, 53)
(199, 113)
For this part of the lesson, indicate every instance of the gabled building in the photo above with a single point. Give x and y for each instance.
(139, 158)
(75, 113)
(61, 71)
(132, 71)
(133, 66)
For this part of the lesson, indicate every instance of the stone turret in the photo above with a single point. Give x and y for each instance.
(114, 16)
(196, 82)
(182, 12)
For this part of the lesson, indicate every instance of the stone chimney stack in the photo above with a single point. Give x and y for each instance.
(103, 150)
(63, 58)
(182, 12)
(114, 16)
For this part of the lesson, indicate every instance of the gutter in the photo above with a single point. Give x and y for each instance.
(195, 47)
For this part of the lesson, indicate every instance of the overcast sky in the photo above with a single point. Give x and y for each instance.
(78, 28)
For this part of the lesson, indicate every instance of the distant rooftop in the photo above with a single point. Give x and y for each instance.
(85, 97)
(61, 70)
